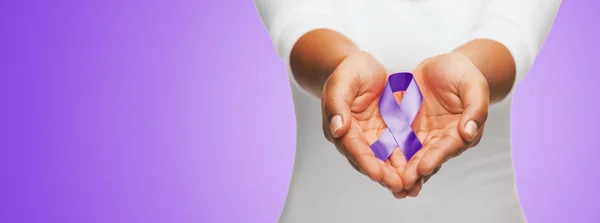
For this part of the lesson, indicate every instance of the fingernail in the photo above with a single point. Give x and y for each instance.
(471, 128)
(336, 124)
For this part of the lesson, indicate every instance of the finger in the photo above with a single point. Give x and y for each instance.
(360, 153)
(426, 178)
(478, 138)
(325, 127)
(397, 160)
(391, 178)
(354, 166)
(400, 195)
(336, 142)
(444, 149)
(475, 96)
(410, 175)
(414, 192)
(338, 94)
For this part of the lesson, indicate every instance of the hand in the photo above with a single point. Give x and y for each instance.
(451, 118)
(351, 118)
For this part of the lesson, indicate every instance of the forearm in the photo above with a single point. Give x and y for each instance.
(316, 55)
(506, 41)
(310, 37)
(495, 62)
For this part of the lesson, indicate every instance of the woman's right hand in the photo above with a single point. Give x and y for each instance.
(351, 118)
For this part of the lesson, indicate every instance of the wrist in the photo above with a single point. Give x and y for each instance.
(480, 76)
(316, 55)
(495, 62)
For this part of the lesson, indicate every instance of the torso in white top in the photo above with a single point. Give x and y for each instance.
(476, 187)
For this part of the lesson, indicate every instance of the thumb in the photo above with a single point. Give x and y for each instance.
(337, 96)
(474, 94)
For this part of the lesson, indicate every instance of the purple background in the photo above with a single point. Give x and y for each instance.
(122, 111)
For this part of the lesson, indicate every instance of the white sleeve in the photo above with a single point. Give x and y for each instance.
(521, 26)
(288, 20)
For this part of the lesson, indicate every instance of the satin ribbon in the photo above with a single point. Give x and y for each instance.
(399, 117)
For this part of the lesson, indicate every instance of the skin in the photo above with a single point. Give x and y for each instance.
(457, 89)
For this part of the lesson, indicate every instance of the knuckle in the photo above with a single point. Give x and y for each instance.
(482, 112)
(330, 107)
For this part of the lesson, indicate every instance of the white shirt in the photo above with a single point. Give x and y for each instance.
(476, 187)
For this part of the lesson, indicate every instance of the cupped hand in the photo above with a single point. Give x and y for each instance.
(351, 119)
(451, 118)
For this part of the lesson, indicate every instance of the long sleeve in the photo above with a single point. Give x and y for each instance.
(521, 26)
(288, 20)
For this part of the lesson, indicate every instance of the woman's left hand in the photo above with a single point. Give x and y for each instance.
(452, 115)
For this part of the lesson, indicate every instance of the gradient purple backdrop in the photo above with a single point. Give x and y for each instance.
(180, 111)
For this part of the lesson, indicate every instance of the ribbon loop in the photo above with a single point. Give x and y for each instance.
(399, 117)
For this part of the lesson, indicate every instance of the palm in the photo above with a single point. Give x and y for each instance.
(442, 107)
(438, 117)
(368, 120)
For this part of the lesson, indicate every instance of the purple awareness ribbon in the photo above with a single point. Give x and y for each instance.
(399, 117)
